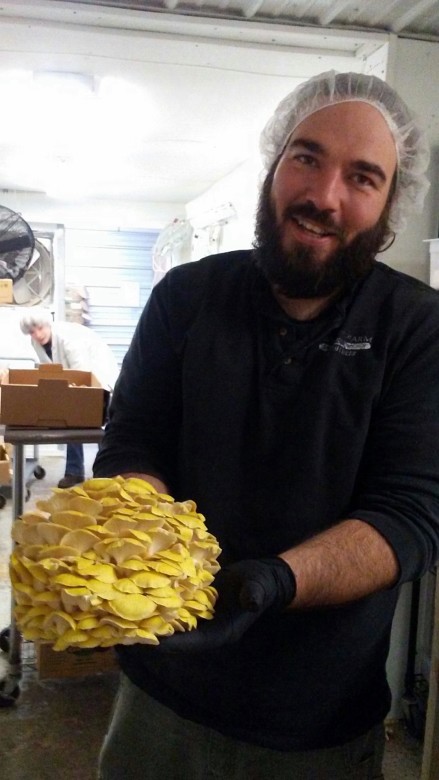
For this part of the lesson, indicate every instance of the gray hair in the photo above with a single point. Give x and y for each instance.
(35, 319)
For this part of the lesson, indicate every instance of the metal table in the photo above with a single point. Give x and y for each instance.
(19, 438)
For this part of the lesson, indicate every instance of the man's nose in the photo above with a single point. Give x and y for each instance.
(328, 190)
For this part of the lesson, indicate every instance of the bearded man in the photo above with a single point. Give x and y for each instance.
(291, 391)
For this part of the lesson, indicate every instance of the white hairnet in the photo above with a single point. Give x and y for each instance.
(328, 88)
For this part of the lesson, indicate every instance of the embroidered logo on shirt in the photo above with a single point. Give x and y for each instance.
(349, 346)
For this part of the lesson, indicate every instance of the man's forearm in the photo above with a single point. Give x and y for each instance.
(342, 564)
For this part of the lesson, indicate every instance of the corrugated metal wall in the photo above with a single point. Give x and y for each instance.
(115, 267)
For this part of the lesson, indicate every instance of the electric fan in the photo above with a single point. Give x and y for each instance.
(36, 285)
(17, 243)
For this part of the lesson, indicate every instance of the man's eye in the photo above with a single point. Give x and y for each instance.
(305, 159)
(363, 180)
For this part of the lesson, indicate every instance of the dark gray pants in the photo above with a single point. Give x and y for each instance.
(147, 741)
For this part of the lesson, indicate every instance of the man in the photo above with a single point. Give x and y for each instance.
(292, 392)
(73, 346)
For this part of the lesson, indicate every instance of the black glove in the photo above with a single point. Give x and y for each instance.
(246, 590)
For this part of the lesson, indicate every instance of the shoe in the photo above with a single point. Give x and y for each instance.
(69, 480)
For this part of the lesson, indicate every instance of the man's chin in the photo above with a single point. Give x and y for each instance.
(307, 289)
(317, 256)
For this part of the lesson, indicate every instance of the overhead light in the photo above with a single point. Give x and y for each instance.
(70, 131)
(56, 80)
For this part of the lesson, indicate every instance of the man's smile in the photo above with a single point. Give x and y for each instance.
(314, 228)
(311, 231)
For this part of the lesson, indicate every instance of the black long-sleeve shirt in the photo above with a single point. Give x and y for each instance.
(279, 429)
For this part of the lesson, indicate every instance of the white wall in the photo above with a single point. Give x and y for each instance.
(414, 73)
(240, 188)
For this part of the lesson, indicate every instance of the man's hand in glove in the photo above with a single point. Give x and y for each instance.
(246, 590)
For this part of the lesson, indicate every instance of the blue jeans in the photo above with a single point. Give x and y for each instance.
(75, 460)
(147, 741)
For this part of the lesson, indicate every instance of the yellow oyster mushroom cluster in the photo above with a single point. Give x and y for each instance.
(111, 561)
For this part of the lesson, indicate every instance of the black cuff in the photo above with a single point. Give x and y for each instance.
(285, 581)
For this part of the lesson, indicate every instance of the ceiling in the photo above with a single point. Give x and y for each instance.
(414, 18)
(191, 84)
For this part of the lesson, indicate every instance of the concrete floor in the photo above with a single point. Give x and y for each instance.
(56, 727)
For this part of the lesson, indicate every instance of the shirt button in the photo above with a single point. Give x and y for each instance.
(287, 361)
(283, 332)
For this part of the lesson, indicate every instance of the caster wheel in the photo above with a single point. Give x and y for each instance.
(2, 501)
(4, 640)
(9, 693)
(39, 472)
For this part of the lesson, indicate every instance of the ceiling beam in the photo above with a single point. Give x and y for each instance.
(252, 8)
(413, 13)
(332, 12)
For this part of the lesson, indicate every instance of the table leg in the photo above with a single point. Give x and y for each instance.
(9, 686)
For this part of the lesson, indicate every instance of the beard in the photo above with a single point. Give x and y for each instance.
(296, 272)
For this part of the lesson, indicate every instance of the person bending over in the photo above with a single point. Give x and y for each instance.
(73, 346)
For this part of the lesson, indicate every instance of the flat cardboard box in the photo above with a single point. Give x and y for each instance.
(5, 465)
(51, 396)
(73, 662)
(5, 472)
(6, 291)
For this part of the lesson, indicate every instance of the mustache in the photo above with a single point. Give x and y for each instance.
(308, 211)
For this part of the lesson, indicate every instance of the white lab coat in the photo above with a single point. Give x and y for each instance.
(76, 346)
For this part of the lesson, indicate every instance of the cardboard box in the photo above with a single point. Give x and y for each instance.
(72, 662)
(5, 465)
(6, 292)
(51, 396)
